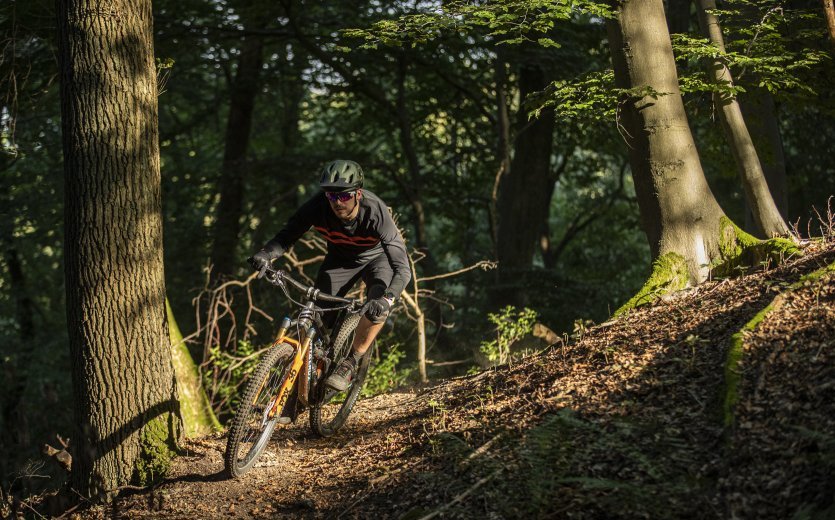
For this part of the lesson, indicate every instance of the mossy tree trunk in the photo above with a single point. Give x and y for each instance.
(195, 408)
(125, 396)
(679, 213)
(767, 218)
(525, 191)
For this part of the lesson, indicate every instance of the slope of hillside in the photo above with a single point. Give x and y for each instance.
(641, 417)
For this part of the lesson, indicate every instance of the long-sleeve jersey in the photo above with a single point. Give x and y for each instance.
(357, 242)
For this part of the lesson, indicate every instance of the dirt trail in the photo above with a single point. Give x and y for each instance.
(625, 422)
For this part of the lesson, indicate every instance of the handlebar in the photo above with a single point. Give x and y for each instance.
(279, 277)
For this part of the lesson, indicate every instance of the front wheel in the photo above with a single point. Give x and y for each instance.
(253, 426)
(330, 408)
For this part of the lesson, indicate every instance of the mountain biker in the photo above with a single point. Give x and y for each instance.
(363, 242)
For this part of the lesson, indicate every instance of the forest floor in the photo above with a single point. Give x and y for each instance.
(634, 418)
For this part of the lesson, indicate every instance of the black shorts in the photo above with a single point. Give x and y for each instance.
(338, 276)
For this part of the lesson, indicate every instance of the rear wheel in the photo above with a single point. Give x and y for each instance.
(252, 427)
(331, 408)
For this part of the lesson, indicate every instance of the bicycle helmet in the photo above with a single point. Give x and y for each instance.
(341, 175)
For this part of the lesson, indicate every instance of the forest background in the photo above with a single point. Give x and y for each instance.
(254, 97)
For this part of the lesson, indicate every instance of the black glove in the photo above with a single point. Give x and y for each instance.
(260, 259)
(377, 308)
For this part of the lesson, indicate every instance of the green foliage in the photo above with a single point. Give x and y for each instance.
(384, 374)
(591, 97)
(511, 326)
(226, 375)
(508, 21)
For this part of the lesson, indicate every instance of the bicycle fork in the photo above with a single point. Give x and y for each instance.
(301, 365)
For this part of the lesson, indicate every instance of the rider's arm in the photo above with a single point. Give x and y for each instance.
(395, 249)
(298, 224)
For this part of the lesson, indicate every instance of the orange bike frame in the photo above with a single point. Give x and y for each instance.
(299, 362)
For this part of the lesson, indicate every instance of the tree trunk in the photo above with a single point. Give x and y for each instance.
(829, 11)
(244, 90)
(678, 211)
(502, 146)
(760, 114)
(14, 427)
(415, 191)
(767, 217)
(678, 16)
(125, 402)
(522, 204)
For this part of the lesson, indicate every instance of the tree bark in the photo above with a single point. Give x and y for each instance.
(829, 11)
(679, 213)
(125, 398)
(522, 204)
(767, 218)
(244, 90)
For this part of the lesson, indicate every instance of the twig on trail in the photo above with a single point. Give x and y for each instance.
(481, 450)
(462, 496)
(24, 504)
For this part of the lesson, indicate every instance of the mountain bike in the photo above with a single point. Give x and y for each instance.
(300, 360)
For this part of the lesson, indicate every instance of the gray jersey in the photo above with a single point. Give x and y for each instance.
(355, 243)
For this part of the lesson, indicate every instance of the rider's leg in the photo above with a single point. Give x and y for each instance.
(365, 334)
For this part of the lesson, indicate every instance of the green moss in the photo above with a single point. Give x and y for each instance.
(738, 250)
(732, 376)
(157, 451)
(816, 276)
(669, 274)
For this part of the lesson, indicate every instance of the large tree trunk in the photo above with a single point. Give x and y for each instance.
(524, 200)
(123, 380)
(769, 222)
(231, 186)
(679, 213)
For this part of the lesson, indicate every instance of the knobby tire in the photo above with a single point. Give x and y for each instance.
(249, 431)
(324, 421)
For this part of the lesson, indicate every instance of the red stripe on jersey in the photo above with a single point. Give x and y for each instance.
(340, 238)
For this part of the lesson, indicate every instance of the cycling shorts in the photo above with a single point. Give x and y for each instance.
(337, 276)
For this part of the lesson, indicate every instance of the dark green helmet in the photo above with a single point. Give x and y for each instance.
(341, 176)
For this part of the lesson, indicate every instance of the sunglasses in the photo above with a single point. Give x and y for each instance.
(343, 196)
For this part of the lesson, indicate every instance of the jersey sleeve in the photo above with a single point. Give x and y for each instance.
(296, 226)
(395, 249)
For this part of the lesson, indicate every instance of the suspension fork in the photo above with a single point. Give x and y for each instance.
(300, 359)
